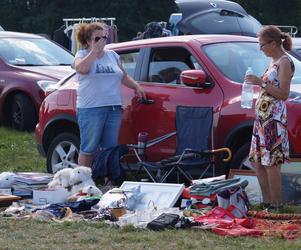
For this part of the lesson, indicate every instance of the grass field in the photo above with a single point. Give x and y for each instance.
(18, 153)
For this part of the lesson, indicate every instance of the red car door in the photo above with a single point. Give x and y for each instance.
(160, 78)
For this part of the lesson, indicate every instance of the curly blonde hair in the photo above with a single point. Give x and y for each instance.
(84, 32)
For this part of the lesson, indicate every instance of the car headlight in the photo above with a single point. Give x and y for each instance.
(47, 85)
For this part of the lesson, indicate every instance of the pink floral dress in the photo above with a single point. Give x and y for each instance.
(269, 144)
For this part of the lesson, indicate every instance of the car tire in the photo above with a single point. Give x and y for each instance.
(240, 159)
(22, 113)
(62, 152)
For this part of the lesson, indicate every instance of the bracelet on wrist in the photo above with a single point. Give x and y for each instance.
(263, 85)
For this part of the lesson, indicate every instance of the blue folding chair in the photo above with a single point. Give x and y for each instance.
(193, 131)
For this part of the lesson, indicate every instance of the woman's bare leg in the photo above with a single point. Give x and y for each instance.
(85, 160)
(263, 180)
(275, 184)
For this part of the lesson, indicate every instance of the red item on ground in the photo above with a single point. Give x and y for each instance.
(272, 216)
(199, 204)
(224, 225)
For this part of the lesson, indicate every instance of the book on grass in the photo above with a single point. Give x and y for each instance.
(26, 182)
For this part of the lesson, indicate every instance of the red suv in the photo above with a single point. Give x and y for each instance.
(29, 65)
(212, 69)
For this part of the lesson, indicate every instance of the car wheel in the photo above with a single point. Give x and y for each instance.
(23, 114)
(241, 158)
(62, 152)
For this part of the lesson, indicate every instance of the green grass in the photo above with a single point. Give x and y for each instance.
(18, 153)
(96, 235)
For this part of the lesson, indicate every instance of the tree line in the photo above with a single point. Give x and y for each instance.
(45, 16)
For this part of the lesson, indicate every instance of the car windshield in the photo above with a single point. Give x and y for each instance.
(33, 52)
(234, 58)
(225, 22)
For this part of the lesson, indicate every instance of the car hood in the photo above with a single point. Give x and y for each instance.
(55, 72)
(215, 17)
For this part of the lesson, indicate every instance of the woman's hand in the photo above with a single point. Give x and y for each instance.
(131, 83)
(252, 79)
(97, 47)
(140, 91)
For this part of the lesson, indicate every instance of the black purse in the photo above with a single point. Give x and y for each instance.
(163, 221)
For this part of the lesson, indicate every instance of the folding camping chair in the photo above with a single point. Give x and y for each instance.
(193, 131)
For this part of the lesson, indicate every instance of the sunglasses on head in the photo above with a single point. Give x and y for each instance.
(96, 39)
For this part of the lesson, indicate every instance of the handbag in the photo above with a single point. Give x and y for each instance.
(163, 221)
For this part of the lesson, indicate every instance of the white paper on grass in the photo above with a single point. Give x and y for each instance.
(162, 195)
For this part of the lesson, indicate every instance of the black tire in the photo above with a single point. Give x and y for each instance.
(22, 113)
(239, 159)
(68, 144)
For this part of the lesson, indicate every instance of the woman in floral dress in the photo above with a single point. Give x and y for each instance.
(270, 145)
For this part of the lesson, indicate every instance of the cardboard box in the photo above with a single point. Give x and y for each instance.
(118, 212)
(48, 196)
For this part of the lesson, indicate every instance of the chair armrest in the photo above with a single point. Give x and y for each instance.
(159, 139)
(177, 158)
(213, 151)
(150, 143)
(154, 141)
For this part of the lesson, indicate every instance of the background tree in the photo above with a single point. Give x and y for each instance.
(45, 16)
(277, 12)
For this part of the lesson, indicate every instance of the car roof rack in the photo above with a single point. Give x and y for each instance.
(292, 30)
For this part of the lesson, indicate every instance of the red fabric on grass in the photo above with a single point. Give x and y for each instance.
(224, 225)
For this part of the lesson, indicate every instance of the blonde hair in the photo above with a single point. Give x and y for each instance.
(84, 32)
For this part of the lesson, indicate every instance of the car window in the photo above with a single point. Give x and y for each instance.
(6, 51)
(166, 64)
(234, 58)
(297, 74)
(297, 53)
(129, 61)
(249, 25)
(218, 24)
(33, 52)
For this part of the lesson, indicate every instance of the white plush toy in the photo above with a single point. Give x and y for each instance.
(6, 179)
(61, 179)
(80, 177)
(91, 190)
(85, 193)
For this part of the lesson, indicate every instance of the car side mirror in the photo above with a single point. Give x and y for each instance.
(194, 78)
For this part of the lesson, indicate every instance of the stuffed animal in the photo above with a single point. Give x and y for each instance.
(85, 193)
(91, 190)
(80, 177)
(6, 179)
(61, 179)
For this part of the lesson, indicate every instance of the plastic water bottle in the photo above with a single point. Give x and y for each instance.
(142, 139)
(247, 92)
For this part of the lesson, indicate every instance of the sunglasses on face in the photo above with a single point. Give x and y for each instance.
(96, 39)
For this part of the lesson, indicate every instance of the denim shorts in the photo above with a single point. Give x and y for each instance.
(99, 127)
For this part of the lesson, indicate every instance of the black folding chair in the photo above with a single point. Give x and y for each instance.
(193, 131)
